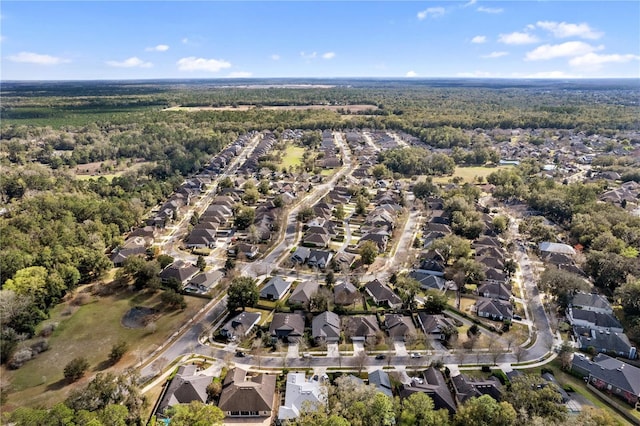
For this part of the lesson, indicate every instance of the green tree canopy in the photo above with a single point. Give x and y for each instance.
(195, 414)
(243, 292)
(485, 411)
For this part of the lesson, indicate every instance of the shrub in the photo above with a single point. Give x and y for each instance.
(486, 369)
(48, 329)
(117, 351)
(568, 388)
(501, 376)
(20, 357)
(75, 369)
(39, 346)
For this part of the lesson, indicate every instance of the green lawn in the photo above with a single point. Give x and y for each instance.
(90, 331)
(468, 174)
(292, 156)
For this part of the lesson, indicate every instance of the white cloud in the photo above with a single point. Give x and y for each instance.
(433, 12)
(517, 38)
(564, 30)
(133, 62)
(311, 55)
(596, 61)
(492, 10)
(192, 63)
(158, 48)
(479, 39)
(493, 55)
(37, 58)
(411, 74)
(470, 3)
(275, 57)
(563, 50)
(185, 41)
(240, 74)
(329, 55)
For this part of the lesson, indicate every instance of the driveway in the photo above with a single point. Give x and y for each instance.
(333, 350)
(292, 351)
(358, 347)
(401, 348)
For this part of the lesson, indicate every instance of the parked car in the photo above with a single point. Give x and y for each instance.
(380, 356)
(240, 354)
(416, 355)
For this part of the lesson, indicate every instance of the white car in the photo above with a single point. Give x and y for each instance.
(416, 355)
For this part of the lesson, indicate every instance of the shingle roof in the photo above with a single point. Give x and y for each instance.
(241, 392)
(300, 391)
(556, 248)
(326, 326)
(585, 300)
(185, 387)
(276, 287)
(380, 379)
(304, 291)
(611, 370)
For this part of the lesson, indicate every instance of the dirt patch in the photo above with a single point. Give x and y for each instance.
(138, 317)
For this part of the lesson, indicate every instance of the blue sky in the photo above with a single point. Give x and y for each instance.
(215, 39)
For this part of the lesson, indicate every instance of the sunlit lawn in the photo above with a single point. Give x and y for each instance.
(293, 156)
(468, 174)
(90, 331)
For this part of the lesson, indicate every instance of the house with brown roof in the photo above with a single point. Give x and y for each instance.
(361, 328)
(288, 327)
(247, 394)
(433, 383)
(382, 295)
(399, 327)
(187, 386)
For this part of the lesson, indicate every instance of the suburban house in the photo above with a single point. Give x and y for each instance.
(494, 290)
(326, 327)
(240, 325)
(301, 391)
(433, 384)
(549, 247)
(248, 250)
(497, 310)
(466, 387)
(380, 379)
(275, 289)
(399, 327)
(204, 281)
(428, 281)
(380, 240)
(202, 236)
(610, 375)
(247, 394)
(303, 293)
(382, 295)
(119, 255)
(187, 386)
(288, 327)
(360, 328)
(300, 255)
(595, 320)
(319, 258)
(436, 326)
(591, 302)
(345, 293)
(179, 270)
(604, 341)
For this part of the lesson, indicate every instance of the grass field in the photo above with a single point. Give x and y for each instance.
(90, 331)
(293, 156)
(468, 174)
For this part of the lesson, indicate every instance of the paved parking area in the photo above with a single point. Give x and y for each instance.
(333, 350)
(292, 350)
(358, 347)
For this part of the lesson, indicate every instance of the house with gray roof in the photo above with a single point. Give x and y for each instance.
(602, 341)
(247, 394)
(240, 325)
(433, 384)
(435, 326)
(495, 309)
(360, 328)
(494, 290)
(300, 255)
(275, 288)
(179, 270)
(187, 386)
(345, 293)
(591, 302)
(466, 387)
(382, 295)
(303, 292)
(610, 375)
(595, 320)
(326, 327)
(399, 327)
(204, 281)
(288, 327)
(549, 247)
(319, 258)
(380, 379)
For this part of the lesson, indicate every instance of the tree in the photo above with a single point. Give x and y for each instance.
(418, 410)
(533, 396)
(244, 217)
(435, 302)
(36, 282)
(330, 278)
(229, 264)
(164, 260)
(500, 223)
(628, 294)
(565, 354)
(562, 284)
(425, 189)
(361, 205)
(117, 351)
(214, 388)
(201, 263)
(195, 414)
(485, 411)
(338, 212)
(114, 415)
(407, 288)
(368, 252)
(243, 292)
(452, 247)
(173, 299)
(75, 369)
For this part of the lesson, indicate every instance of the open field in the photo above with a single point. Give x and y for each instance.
(293, 156)
(469, 174)
(352, 108)
(107, 169)
(90, 331)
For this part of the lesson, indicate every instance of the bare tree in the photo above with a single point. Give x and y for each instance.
(257, 350)
(158, 364)
(361, 361)
(519, 353)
